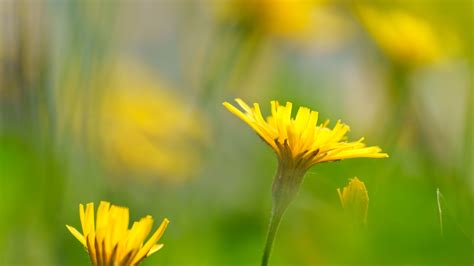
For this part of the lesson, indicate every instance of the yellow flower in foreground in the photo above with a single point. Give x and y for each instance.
(109, 241)
(355, 199)
(299, 144)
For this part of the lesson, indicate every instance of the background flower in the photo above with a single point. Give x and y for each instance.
(406, 38)
(355, 199)
(146, 129)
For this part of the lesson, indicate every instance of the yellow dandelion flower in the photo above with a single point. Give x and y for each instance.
(109, 241)
(355, 199)
(299, 144)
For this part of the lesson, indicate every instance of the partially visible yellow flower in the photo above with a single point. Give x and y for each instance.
(355, 199)
(405, 38)
(282, 17)
(277, 17)
(109, 241)
(299, 142)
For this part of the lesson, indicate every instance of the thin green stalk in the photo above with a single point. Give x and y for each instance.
(275, 218)
(399, 93)
(286, 185)
(469, 129)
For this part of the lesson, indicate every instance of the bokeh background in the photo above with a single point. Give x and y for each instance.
(122, 101)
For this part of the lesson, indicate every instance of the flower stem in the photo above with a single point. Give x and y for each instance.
(275, 218)
(285, 187)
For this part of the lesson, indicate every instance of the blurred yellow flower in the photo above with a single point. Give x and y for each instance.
(278, 17)
(147, 129)
(135, 123)
(109, 241)
(405, 38)
(299, 142)
(355, 199)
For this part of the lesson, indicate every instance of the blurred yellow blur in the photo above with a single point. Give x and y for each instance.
(147, 129)
(407, 39)
(280, 18)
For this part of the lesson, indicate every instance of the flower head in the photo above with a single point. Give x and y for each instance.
(355, 199)
(109, 241)
(299, 142)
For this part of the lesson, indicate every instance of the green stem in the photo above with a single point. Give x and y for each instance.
(286, 185)
(469, 129)
(399, 93)
(275, 218)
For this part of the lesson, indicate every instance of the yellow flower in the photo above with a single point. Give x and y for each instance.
(140, 133)
(286, 18)
(405, 38)
(281, 18)
(355, 199)
(127, 117)
(299, 142)
(109, 241)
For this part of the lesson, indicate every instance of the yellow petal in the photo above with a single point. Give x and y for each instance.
(243, 105)
(88, 225)
(77, 235)
(154, 249)
(251, 122)
(152, 241)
